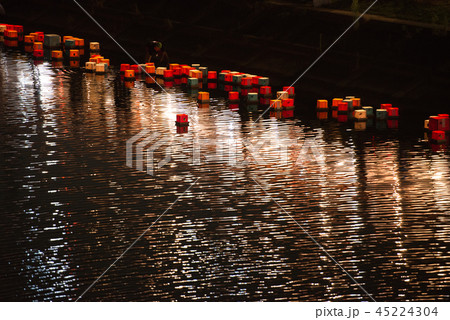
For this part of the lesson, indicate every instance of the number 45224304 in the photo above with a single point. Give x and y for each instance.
(403, 312)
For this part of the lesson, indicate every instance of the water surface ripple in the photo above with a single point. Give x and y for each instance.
(378, 201)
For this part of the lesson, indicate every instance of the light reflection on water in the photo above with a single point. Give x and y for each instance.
(377, 202)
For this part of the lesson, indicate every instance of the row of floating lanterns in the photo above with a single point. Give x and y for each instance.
(350, 108)
(38, 44)
(73, 48)
(253, 89)
(437, 128)
(237, 84)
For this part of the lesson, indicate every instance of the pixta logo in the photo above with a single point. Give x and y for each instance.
(141, 151)
(145, 149)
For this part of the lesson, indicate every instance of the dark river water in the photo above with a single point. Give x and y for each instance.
(377, 200)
